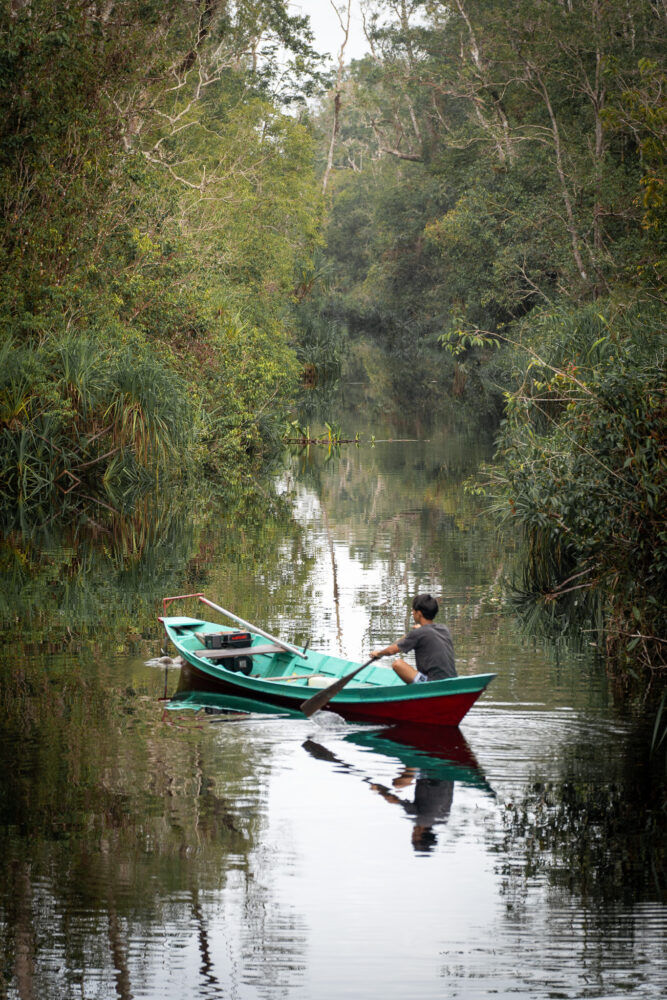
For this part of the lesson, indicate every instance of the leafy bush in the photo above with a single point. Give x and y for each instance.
(584, 473)
(75, 416)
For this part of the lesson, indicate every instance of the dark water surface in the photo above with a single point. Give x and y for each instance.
(153, 852)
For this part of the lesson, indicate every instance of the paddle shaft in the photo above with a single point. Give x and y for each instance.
(253, 628)
(319, 700)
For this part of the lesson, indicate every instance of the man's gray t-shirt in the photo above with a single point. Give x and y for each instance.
(434, 650)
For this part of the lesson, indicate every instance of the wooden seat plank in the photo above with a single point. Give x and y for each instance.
(222, 654)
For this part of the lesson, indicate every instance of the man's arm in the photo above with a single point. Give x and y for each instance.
(392, 650)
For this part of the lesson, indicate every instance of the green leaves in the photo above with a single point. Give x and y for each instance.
(158, 205)
(458, 341)
(83, 407)
(585, 466)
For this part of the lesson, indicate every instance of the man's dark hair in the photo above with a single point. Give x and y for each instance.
(426, 604)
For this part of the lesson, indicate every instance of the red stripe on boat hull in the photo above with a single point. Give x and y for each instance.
(444, 710)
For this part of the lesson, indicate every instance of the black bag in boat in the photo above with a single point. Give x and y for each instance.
(227, 640)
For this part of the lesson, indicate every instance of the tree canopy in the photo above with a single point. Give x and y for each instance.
(498, 189)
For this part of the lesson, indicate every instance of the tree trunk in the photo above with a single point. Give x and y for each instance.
(335, 127)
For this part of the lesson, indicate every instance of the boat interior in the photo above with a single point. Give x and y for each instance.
(267, 660)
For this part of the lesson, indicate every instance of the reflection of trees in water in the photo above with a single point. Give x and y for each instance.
(602, 838)
(391, 496)
(256, 559)
(64, 580)
(399, 511)
(58, 583)
(113, 827)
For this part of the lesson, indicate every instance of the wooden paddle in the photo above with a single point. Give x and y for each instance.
(319, 700)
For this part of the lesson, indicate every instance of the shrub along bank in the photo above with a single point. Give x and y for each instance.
(158, 201)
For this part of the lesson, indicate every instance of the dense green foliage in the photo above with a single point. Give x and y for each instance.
(496, 222)
(494, 158)
(159, 204)
(584, 470)
(497, 209)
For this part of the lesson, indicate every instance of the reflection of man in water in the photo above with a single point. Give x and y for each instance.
(432, 804)
(432, 801)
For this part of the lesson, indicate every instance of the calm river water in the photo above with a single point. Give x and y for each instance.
(154, 853)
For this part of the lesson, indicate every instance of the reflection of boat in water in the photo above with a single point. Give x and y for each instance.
(429, 761)
(442, 753)
(428, 770)
(438, 753)
(216, 703)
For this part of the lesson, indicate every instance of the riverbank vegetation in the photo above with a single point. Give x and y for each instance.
(482, 198)
(159, 198)
(497, 212)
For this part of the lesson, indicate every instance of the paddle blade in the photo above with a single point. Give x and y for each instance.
(319, 700)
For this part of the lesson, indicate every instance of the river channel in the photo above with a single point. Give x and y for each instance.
(151, 851)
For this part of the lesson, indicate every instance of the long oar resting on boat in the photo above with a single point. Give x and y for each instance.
(255, 664)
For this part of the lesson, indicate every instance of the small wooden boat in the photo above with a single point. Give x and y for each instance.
(283, 676)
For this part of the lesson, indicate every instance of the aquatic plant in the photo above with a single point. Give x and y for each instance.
(295, 433)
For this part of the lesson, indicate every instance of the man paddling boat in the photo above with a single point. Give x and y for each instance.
(432, 644)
